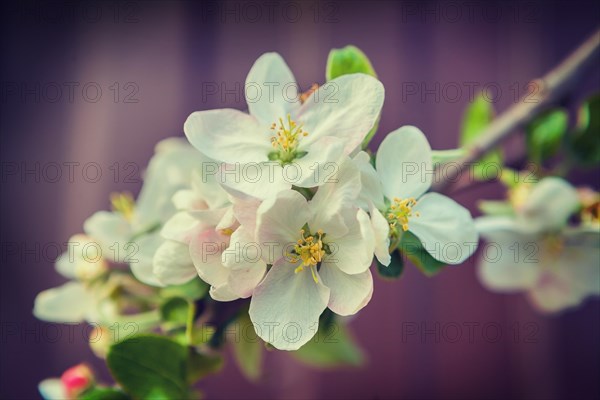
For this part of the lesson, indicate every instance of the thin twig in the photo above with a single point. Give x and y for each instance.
(552, 87)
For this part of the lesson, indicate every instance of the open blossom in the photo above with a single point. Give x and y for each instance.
(198, 236)
(78, 299)
(131, 233)
(287, 138)
(397, 189)
(320, 251)
(557, 265)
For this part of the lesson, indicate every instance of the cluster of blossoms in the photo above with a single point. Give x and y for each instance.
(547, 237)
(278, 205)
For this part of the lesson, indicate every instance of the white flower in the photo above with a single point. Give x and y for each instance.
(405, 169)
(287, 138)
(52, 389)
(536, 252)
(320, 253)
(198, 238)
(131, 233)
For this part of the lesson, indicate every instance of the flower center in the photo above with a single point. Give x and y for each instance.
(399, 213)
(286, 139)
(309, 249)
(123, 203)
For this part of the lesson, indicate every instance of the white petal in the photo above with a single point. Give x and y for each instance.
(320, 165)
(353, 252)
(345, 107)
(549, 205)
(167, 172)
(179, 226)
(381, 232)
(404, 163)
(222, 293)
(108, 228)
(69, 303)
(349, 293)
(205, 250)
(333, 197)
(228, 135)
(260, 180)
(271, 89)
(445, 228)
(52, 389)
(243, 280)
(554, 293)
(140, 256)
(286, 306)
(173, 264)
(278, 223)
(372, 189)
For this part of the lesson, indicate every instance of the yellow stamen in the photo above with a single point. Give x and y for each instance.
(309, 250)
(400, 212)
(287, 136)
(307, 94)
(123, 203)
(227, 231)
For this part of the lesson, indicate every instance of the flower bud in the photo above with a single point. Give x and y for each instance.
(77, 379)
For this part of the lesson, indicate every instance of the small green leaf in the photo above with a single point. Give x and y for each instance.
(585, 140)
(330, 348)
(545, 134)
(104, 393)
(200, 365)
(174, 312)
(411, 247)
(192, 290)
(394, 270)
(477, 117)
(248, 349)
(350, 60)
(150, 367)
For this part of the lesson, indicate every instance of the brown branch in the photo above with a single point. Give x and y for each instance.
(552, 87)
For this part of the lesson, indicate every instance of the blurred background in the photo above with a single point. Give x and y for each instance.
(88, 88)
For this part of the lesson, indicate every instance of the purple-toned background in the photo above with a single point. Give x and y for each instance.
(164, 54)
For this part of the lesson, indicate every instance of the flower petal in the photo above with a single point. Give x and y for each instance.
(205, 250)
(228, 135)
(140, 256)
(345, 107)
(278, 223)
(260, 180)
(549, 205)
(271, 90)
(381, 232)
(404, 163)
(52, 389)
(173, 264)
(320, 165)
(349, 293)
(353, 252)
(108, 228)
(286, 306)
(69, 303)
(372, 189)
(445, 228)
(222, 293)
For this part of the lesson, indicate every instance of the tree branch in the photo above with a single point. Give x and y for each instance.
(552, 87)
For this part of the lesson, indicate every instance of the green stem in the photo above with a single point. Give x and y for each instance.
(189, 328)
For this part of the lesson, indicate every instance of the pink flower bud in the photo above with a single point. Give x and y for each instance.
(77, 379)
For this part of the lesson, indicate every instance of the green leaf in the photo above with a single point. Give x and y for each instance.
(545, 134)
(411, 247)
(192, 290)
(351, 60)
(394, 270)
(174, 312)
(330, 348)
(348, 60)
(476, 118)
(585, 140)
(248, 349)
(200, 365)
(104, 393)
(150, 367)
